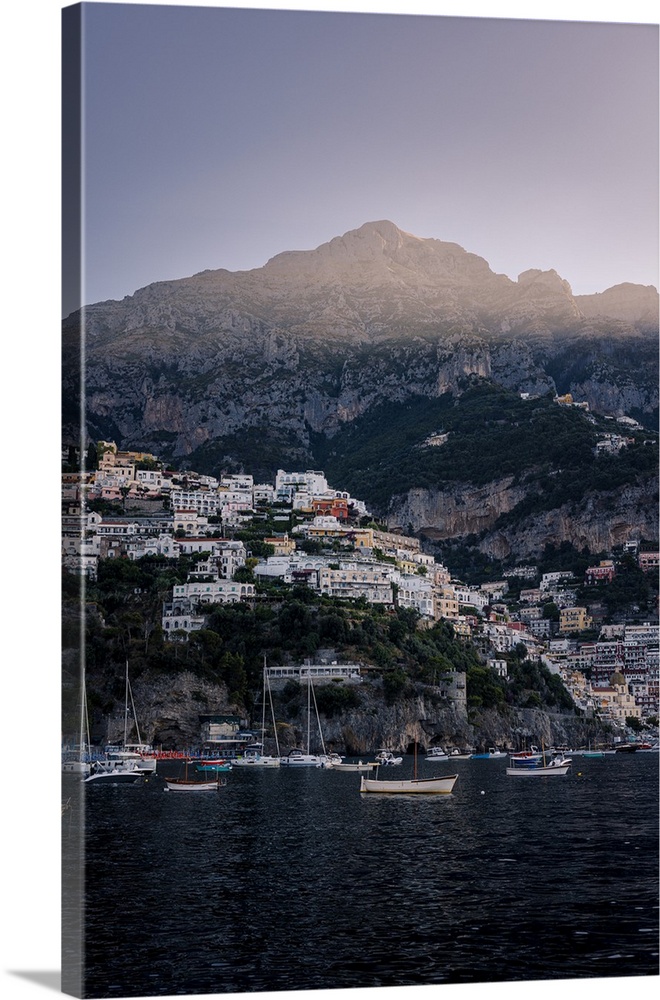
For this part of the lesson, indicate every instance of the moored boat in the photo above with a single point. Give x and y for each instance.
(359, 766)
(214, 766)
(78, 759)
(118, 773)
(411, 786)
(135, 756)
(253, 757)
(387, 758)
(298, 758)
(303, 758)
(435, 754)
(558, 764)
(186, 785)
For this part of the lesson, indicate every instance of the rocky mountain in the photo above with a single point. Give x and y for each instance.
(600, 521)
(223, 369)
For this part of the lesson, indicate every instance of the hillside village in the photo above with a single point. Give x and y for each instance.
(128, 505)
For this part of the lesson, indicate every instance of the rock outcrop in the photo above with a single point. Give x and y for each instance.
(314, 338)
(599, 521)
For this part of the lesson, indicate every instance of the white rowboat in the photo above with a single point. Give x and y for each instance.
(413, 786)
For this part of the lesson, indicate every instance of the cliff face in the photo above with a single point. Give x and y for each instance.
(314, 338)
(252, 369)
(168, 709)
(599, 521)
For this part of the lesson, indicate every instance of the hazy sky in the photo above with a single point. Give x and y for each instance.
(218, 137)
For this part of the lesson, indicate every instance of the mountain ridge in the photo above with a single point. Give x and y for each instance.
(223, 366)
(374, 278)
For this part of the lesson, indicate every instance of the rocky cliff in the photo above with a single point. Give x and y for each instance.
(168, 709)
(599, 521)
(260, 369)
(313, 338)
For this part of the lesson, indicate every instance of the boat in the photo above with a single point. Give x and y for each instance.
(491, 753)
(298, 758)
(558, 764)
(139, 754)
(435, 754)
(303, 758)
(215, 766)
(131, 754)
(119, 773)
(526, 758)
(626, 748)
(77, 761)
(186, 784)
(359, 766)
(410, 786)
(525, 754)
(387, 759)
(253, 755)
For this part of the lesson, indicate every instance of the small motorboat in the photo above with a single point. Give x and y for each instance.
(386, 758)
(359, 766)
(214, 766)
(556, 765)
(122, 773)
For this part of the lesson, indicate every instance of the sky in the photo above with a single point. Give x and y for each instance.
(218, 137)
(145, 210)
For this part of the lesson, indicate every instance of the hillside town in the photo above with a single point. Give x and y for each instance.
(130, 506)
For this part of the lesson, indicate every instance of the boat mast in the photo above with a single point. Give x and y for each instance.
(263, 709)
(84, 743)
(272, 712)
(135, 721)
(309, 713)
(318, 723)
(126, 707)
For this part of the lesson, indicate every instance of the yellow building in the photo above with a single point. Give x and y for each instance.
(283, 546)
(446, 603)
(616, 701)
(574, 620)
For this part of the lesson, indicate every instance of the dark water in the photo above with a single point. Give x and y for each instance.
(290, 879)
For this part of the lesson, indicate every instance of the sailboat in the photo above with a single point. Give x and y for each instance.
(303, 758)
(77, 761)
(253, 756)
(131, 756)
(410, 786)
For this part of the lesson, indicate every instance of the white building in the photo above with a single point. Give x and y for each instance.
(213, 591)
(323, 672)
(201, 501)
(416, 592)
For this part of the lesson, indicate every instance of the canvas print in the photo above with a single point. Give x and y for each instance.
(359, 500)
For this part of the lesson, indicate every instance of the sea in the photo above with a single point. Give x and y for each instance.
(291, 879)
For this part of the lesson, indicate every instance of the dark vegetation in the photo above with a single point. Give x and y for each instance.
(284, 624)
(493, 433)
